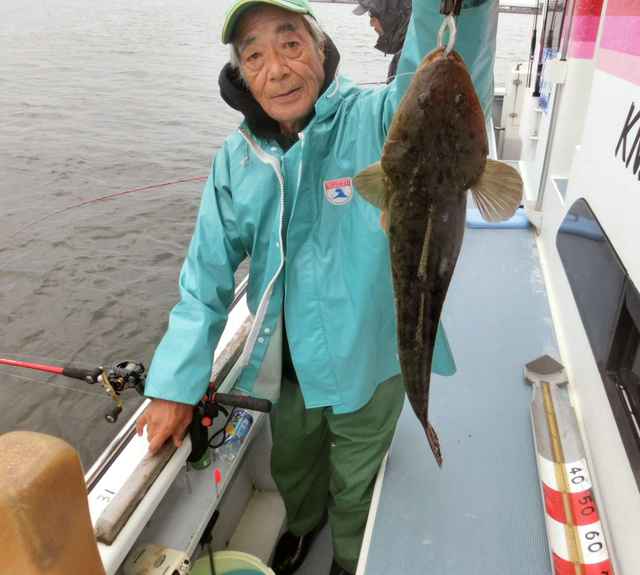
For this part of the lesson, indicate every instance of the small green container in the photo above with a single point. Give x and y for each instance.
(204, 461)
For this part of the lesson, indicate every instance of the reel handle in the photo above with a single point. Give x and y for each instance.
(112, 416)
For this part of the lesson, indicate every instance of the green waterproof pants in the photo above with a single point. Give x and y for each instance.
(321, 460)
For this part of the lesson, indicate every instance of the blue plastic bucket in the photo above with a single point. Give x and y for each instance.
(231, 563)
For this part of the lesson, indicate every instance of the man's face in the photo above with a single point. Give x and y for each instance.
(374, 22)
(281, 64)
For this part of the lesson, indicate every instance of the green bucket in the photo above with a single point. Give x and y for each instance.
(231, 563)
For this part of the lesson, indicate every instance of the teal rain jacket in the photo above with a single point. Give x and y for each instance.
(317, 251)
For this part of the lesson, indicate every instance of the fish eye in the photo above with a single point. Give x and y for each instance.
(461, 100)
(423, 99)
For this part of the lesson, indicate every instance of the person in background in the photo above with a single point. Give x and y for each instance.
(390, 19)
(323, 343)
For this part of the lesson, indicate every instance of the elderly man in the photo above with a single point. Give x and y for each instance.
(323, 343)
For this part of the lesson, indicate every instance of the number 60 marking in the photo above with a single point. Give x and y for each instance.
(596, 545)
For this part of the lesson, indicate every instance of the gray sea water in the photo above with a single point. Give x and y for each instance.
(98, 98)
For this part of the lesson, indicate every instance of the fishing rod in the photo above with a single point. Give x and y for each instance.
(115, 379)
(534, 41)
(543, 29)
(94, 200)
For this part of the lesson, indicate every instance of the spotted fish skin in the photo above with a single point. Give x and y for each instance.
(436, 150)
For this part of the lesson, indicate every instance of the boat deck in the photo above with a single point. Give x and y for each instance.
(482, 512)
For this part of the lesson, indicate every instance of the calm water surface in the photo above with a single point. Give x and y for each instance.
(97, 98)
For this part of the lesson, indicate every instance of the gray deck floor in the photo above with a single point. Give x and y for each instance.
(482, 513)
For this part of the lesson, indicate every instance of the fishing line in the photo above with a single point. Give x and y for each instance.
(55, 385)
(398, 75)
(47, 359)
(383, 82)
(104, 198)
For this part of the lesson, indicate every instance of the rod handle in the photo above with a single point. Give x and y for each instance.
(88, 375)
(243, 402)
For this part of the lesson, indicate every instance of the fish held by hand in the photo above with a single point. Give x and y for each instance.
(436, 150)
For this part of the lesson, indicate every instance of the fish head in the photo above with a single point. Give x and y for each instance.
(437, 146)
(439, 122)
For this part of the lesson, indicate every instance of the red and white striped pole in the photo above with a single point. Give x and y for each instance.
(574, 529)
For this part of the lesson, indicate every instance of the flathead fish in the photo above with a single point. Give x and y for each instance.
(436, 150)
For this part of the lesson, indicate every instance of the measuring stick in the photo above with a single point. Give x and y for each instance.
(574, 529)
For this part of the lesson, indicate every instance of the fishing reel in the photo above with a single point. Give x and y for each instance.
(127, 374)
(120, 376)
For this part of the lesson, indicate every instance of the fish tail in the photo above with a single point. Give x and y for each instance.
(432, 437)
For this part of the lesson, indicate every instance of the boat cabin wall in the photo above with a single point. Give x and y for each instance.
(598, 160)
(559, 100)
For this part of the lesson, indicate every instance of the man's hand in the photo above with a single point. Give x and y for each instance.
(164, 419)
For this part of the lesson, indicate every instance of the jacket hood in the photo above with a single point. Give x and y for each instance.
(394, 18)
(394, 25)
(235, 93)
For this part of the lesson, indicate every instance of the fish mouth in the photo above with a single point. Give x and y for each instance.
(438, 53)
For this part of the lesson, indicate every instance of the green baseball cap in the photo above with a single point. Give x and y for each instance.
(237, 7)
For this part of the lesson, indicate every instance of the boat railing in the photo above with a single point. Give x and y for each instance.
(221, 368)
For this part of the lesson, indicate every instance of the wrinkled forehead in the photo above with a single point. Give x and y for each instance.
(263, 21)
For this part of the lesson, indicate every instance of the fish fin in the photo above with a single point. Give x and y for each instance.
(434, 442)
(384, 221)
(374, 186)
(498, 191)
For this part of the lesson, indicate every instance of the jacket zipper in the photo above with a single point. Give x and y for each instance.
(264, 301)
(301, 137)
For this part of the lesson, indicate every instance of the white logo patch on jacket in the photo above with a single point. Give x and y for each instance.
(338, 192)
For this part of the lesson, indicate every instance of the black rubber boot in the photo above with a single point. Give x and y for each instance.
(291, 551)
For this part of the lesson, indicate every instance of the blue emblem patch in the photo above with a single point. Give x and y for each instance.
(338, 192)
